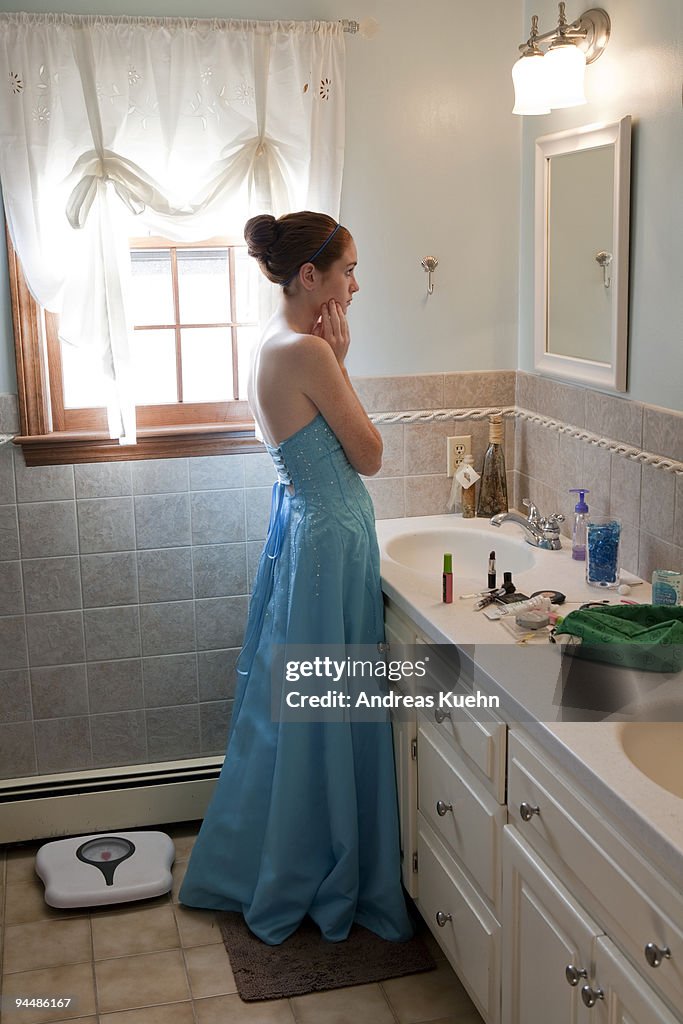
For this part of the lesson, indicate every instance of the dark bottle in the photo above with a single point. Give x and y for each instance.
(493, 492)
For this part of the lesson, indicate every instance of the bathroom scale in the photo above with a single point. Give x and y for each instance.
(115, 867)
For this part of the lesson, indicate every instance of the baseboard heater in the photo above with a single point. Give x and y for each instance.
(106, 800)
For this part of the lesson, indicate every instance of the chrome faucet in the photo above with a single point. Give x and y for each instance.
(539, 531)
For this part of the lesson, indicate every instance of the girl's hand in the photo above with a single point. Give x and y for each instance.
(333, 327)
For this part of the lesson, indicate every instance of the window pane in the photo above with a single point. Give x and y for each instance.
(207, 364)
(152, 292)
(154, 367)
(246, 340)
(246, 279)
(83, 380)
(204, 286)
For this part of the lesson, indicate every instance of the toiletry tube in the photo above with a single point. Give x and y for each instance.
(491, 582)
(540, 603)
(447, 579)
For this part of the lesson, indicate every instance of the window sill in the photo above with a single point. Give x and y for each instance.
(175, 442)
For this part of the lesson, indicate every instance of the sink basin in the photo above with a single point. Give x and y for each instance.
(422, 550)
(656, 749)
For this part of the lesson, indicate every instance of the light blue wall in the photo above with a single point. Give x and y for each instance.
(431, 168)
(638, 74)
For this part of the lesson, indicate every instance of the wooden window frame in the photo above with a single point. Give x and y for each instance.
(46, 438)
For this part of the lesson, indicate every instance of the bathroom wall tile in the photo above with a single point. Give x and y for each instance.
(392, 456)
(425, 447)
(218, 516)
(162, 520)
(465, 390)
(399, 394)
(13, 642)
(663, 432)
(525, 390)
(214, 722)
(52, 584)
(678, 512)
(9, 414)
(625, 483)
(610, 416)
(220, 570)
(48, 528)
(220, 622)
(165, 575)
(259, 470)
(55, 638)
(106, 524)
(217, 674)
(160, 476)
(257, 501)
(566, 402)
(172, 733)
(15, 696)
(8, 494)
(427, 495)
(597, 464)
(170, 680)
(103, 480)
(168, 628)
(218, 472)
(538, 453)
(63, 744)
(9, 533)
(119, 738)
(629, 542)
(11, 589)
(388, 496)
(17, 756)
(115, 685)
(110, 578)
(59, 692)
(657, 500)
(44, 483)
(654, 553)
(112, 632)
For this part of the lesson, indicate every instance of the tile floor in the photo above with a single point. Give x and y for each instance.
(161, 963)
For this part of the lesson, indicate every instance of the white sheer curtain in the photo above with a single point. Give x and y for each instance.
(186, 125)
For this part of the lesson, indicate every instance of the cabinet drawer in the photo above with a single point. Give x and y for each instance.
(613, 881)
(470, 934)
(470, 821)
(480, 737)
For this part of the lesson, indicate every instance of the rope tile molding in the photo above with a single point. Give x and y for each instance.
(626, 451)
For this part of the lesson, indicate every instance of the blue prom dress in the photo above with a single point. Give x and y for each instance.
(304, 816)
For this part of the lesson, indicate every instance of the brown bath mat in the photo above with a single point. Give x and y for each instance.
(305, 962)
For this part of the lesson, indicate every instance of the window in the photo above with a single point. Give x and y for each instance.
(194, 312)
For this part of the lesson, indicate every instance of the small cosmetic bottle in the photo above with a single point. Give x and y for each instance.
(447, 579)
(491, 583)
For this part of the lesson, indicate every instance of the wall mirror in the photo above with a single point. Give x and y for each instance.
(582, 185)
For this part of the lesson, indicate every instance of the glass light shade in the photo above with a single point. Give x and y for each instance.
(529, 78)
(565, 69)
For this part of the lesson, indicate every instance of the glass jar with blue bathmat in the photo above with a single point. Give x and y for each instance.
(602, 551)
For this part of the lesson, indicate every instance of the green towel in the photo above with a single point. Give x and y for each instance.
(642, 636)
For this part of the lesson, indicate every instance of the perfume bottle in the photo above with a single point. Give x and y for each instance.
(493, 492)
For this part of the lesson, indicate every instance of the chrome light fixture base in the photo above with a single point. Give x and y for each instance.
(597, 26)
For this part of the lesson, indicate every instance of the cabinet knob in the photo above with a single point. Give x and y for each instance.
(574, 974)
(443, 808)
(443, 919)
(527, 811)
(590, 995)
(440, 715)
(654, 954)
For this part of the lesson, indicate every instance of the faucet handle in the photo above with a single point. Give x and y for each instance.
(533, 511)
(552, 523)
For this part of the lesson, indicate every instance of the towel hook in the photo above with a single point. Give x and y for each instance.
(429, 264)
(604, 259)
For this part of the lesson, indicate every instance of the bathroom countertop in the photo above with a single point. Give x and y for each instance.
(574, 708)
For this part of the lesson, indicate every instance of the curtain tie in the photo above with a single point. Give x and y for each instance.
(135, 188)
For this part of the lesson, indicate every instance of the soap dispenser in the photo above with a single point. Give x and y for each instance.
(579, 527)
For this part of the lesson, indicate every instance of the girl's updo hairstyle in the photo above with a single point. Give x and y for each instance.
(282, 246)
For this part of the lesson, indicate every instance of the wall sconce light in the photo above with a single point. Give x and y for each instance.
(546, 81)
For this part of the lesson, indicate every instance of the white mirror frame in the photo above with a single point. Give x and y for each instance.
(610, 375)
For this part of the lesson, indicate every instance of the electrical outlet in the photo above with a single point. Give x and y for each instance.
(457, 449)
